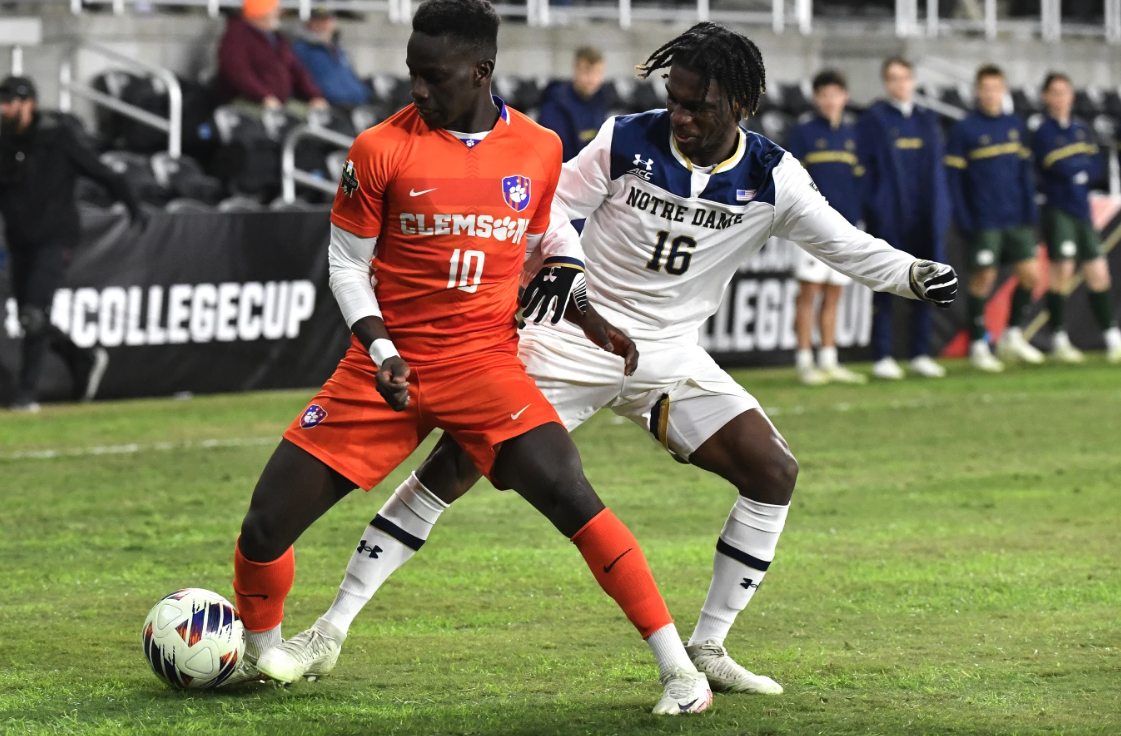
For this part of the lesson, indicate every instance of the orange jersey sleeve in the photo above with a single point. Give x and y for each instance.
(360, 200)
(548, 145)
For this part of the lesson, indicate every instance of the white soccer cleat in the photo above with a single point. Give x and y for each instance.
(840, 374)
(810, 376)
(982, 358)
(310, 654)
(246, 672)
(1013, 347)
(1113, 345)
(925, 366)
(1063, 351)
(685, 692)
(725, 675)
(887, 369)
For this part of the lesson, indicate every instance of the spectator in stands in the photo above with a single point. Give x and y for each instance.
(575, 110)
(256, 64)
(41, 156)
(1067, 159)
(826, 146)
(908, 203)
(989, 171)
(319, 50)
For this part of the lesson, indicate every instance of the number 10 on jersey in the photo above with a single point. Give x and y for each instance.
(459, 273)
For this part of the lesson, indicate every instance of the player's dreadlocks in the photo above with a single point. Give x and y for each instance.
(716, 52)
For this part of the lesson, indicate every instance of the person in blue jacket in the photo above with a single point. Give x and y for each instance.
(319, 50)
(990, 173)
(575, 110)
(908, 202)
(826, 146)
(1068, 160)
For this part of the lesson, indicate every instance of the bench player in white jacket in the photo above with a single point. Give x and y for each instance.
(675, 200)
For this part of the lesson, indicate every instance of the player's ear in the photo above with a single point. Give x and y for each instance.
(484, 68)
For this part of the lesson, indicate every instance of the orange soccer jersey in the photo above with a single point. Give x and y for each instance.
(451, 222)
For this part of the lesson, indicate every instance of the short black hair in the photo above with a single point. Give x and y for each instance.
(895, 61)
(473, 22)
(827, 77)
(989, 70)
(1053, 77)
(716, 53)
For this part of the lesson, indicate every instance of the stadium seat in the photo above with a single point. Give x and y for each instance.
(1025, 102)
(111, 125)
(523, 93)
(138, 171)
(248, 159)
(184, 178)
(797, 98)
(957, 95)
(183, 205)
(1088, 103)
(391, 90)
(300, 205)
(645, 95)
(776, 125)
(240, 203)
(1111, 101)
(364, 117)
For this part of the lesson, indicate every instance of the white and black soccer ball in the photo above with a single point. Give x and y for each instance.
(193, 638)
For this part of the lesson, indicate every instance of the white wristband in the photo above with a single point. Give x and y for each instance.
(382, 350)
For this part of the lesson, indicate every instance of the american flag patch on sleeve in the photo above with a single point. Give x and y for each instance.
(745, 195)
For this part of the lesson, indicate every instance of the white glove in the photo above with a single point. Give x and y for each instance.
(934, 282)
(1081, 178)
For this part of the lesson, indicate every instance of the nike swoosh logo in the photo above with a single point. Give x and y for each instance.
(607, 568)
(415, 193)
(254, 595)
(515, 416)
(686, 706)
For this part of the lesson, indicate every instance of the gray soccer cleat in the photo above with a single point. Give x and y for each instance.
(724, 674)
(310, 654)
(685, 692)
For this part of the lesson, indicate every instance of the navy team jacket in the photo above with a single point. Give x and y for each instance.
(830, 155)
(990, 173)
(1067, 160)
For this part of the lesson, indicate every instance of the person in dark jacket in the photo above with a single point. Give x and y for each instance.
(575, 110)
(990, 174)
(1068, 159)
(908, 203)
(41, 157)
(319, 50)
(255, 62)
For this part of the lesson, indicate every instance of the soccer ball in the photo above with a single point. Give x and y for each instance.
(193, 638)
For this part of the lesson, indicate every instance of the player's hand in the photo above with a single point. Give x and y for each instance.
(393, 382)
(933, 282)
(610, 338)
(559, 280)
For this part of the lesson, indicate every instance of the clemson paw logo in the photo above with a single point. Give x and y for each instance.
(516, 192)
(503, 228)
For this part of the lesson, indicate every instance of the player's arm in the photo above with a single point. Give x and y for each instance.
(803, 215)
(956, 166)
(1027, 179)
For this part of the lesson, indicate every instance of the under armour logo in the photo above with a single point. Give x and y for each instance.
(648, 163)
(748, 584)
(372, 550)
(551, 276)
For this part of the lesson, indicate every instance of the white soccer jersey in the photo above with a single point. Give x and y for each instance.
(662, 240)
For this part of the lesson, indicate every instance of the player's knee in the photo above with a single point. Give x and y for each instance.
(259, 541)
(771, 480)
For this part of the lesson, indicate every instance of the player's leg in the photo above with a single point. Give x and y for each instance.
(1095, 269)
(804, 309)
(884, 365)
(982, 255)
(1020, 246)
(827, 355)
(544, 467)
(1060, 238)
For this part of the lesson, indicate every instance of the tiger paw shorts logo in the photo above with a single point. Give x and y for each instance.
(312, 416)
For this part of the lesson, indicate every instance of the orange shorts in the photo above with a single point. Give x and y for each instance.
(481, 402)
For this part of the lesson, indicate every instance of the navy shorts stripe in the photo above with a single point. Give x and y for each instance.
(742, 557)
(385, 525)
(562, 261)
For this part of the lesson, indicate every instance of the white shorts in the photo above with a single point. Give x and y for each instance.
(678, 395)
(808, 268)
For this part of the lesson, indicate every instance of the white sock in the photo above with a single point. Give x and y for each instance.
(1112, 338)
(394, 536)
(743, 553)
(804, 359)
(1014, 333)
(669, 651)
(827, 358)
(259, 642)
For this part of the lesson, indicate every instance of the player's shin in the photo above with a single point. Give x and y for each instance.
(259, 592)
(744, 551)
(620, 568)
(392, 538)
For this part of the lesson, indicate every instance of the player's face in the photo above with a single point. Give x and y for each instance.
(1059, 99)
(831, 100)
(990, 94)
(448, 77)
(703, 127)
(899, 82)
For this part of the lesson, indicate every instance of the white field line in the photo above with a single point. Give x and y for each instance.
(134, 448)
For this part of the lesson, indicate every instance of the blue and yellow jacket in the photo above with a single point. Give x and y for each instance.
(1067, 160)
(830, 155)
(907, 198)
(990, 173)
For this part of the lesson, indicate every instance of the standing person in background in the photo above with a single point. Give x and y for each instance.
(256, 64)
(908, 203)
(41, 157)
(320, 52)
(826, 146)
(1067, 159)
(989, 170)
(575, 110)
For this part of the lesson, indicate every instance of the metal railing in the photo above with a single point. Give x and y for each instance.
(290, 176)
(172, 124)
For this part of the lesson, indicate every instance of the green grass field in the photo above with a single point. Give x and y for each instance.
(951, 565)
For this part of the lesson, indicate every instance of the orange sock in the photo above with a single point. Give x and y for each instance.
(261, 587)
(616, 560)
